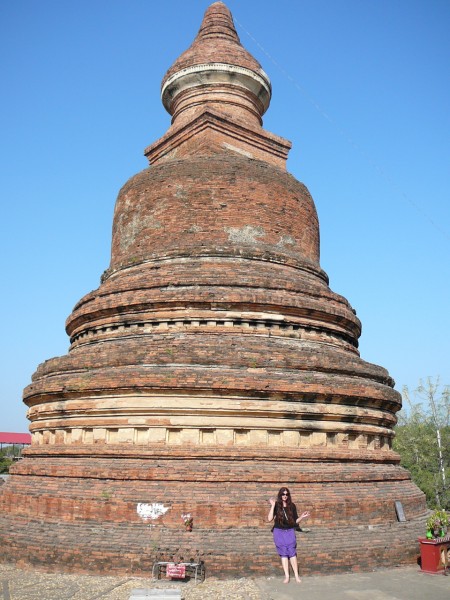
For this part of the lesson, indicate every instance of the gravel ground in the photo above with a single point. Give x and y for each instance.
(402, 583)
(19, 584)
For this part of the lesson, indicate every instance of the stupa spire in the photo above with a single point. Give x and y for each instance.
(217, 72)
(218, 22)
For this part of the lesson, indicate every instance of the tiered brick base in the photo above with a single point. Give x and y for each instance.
(133, 548)
(84, 517)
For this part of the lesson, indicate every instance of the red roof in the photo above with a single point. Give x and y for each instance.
(15, 438)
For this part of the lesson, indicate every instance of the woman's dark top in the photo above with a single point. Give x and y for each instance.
(282, 522)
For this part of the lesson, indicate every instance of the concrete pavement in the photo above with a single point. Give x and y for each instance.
(402, 583)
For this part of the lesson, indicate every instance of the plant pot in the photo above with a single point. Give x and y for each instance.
(434, 555)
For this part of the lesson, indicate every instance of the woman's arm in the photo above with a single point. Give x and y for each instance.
(304, 515)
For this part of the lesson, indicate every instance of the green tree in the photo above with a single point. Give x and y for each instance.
(5, 462)
(423, 439)
(7, 456)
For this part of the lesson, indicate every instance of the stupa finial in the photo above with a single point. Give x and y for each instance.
(216, 71)
(218, 22)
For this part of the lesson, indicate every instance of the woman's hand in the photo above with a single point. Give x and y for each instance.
(304, 515)
(272, 502)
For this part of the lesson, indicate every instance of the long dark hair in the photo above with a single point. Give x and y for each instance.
(287, 512)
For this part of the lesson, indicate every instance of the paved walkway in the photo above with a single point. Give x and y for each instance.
(403, 583)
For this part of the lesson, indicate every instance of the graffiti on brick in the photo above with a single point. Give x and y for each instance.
(152, 511)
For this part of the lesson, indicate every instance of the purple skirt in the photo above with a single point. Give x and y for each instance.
(285, 541)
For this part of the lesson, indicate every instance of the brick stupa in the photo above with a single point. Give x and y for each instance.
(211, 366)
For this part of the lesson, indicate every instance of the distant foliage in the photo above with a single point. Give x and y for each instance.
(7, 456)
(423, 440)
(5, 461)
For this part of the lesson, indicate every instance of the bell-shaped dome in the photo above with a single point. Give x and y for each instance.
(194, 207)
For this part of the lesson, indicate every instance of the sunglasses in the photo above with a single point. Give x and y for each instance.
(285, 494)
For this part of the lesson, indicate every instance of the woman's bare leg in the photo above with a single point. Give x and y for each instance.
(295, 568)
(285, 564)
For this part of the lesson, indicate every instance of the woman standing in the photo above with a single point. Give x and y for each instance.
(284, 512)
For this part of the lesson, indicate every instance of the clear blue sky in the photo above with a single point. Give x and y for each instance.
(362, 90)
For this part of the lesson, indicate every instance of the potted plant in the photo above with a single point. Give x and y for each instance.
(437, 524)
(188, 522)
(434, 547)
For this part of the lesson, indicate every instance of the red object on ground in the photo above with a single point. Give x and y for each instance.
(15, 438)
(434, 554)
(176, 571)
